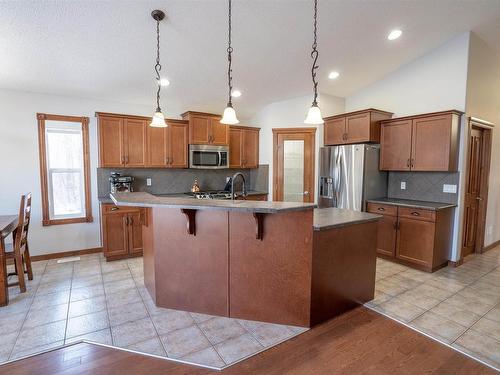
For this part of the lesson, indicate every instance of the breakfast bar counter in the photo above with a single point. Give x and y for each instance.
(255, 260)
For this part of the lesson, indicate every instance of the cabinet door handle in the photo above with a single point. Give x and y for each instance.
(412, 162)
(130, 221)
(123, 159)
(415, 213)
(114, 208)
(126, 159)
(167, 161)
(171, 161)
(408, 163)
(125, 218)
(381, 209)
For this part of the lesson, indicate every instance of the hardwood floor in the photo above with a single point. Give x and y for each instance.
(360, 341)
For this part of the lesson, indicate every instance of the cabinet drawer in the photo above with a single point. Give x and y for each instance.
(109, 208)
(417, 214)
(382, 209)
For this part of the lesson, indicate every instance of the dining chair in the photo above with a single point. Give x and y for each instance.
(19, 250)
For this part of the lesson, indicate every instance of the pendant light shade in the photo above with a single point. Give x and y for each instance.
(229, 116)
(314, 115)
(158, 119)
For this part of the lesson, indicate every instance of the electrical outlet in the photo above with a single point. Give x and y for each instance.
(148, 181)
(450, 189)
(403, 185)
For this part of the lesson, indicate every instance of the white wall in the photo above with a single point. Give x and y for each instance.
(483, 101)
(288, 114)
(20, 165)
(434, 82)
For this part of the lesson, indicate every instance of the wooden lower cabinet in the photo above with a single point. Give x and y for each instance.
(121, 231)
(415, 237)
(415, 241)
(386, 240)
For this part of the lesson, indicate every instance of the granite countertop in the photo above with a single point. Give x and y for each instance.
(149, 200)
(435, 206)
(328, 218)
(105, 200)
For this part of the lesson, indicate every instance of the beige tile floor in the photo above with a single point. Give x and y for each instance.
(457, 306)
(107, 303)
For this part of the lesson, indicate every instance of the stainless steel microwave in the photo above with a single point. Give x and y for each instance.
(208, 157)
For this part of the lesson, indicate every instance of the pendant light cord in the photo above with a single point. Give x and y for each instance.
(158, 66)
(229, 60)
(315, 54)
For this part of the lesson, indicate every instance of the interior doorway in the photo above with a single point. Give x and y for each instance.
(293, 164)
(476, 186)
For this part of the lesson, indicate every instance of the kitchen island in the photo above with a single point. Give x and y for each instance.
(278, 262)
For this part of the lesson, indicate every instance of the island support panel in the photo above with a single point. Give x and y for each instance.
(190, 270)
(270, 279)
(344, 264)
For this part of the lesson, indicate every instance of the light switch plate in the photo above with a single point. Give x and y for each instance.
(148, 181)
(450, 189)
(403, 185)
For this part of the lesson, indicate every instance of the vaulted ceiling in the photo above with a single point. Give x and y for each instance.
(106, 49)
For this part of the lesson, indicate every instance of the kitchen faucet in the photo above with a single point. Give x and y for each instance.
(232, 184)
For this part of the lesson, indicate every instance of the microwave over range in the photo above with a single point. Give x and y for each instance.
(208, 157)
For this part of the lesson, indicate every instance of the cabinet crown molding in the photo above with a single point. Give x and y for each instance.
(358, 112)
(420, 115)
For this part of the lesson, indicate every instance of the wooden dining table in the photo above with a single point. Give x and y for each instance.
(8, 224)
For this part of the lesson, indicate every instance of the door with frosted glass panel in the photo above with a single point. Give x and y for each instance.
(293, 171)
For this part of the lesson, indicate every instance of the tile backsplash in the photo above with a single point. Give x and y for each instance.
(166, 181)
(423, 186)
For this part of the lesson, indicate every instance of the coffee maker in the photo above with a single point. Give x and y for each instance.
(120, 184)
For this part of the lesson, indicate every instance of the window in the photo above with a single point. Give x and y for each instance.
(64, 169)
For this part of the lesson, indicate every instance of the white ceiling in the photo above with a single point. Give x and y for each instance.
(106, 49)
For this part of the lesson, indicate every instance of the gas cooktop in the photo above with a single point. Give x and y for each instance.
(212, 194)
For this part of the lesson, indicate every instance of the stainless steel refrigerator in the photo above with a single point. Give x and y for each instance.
(349, 175)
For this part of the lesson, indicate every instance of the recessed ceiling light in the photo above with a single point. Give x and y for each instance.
(333, 75)
(394, 34)
(164, 82)
(236, 93)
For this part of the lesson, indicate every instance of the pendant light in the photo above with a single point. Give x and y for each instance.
(158, 120)
(314, 115)
(229, 116)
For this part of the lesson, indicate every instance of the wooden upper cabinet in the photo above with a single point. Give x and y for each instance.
(335, 131)
(243, 147)
(178, 143)
(250, 148)
(157, 146)
(206, 129)
(358, 128)
(220, 132)
(354, 127)
(235, 138)
(111, 142)
(395, 150)
(129, 141)
(435, 143)
(199, 129)
(134, 136)
(426, 142)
